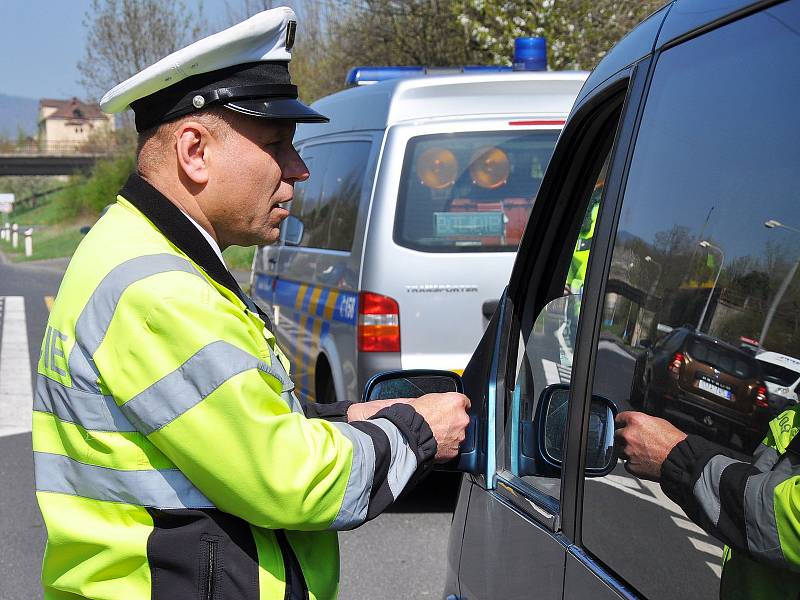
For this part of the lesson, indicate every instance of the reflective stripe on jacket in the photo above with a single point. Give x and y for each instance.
(172, 459)
(753, 506)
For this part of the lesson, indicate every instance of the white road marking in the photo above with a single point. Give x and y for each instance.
(706, 547)
(688, 526)
(632, 485)
(566, 351)
(16, 394)
(551, 373)
(628, 482)
(716, 567)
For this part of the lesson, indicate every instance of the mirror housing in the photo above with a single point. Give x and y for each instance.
(418, 382)
(292, 231)
(540, 448)
(645, 343)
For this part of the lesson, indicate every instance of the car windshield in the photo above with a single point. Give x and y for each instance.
(778, 374)
(470, 192)
(722, 359)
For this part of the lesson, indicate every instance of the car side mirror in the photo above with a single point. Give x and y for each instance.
(541, 448)
(645, 343)
(416, 383)
(293, 230)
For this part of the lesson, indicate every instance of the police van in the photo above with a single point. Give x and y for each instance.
(399, 244)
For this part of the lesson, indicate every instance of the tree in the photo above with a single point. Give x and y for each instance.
(125, 36)
(579, 32)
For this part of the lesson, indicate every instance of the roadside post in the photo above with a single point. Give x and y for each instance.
(14, 235)
(29, 242)
(5, 232)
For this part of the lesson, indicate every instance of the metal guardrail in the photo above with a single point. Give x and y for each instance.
(60, 148)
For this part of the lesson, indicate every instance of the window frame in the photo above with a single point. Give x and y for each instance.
(538, 260)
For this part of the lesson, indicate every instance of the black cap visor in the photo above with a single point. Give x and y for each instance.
(277, 108)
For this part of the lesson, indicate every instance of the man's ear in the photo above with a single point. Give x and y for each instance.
(192, 139)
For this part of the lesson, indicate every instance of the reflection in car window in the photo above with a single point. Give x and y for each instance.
(715, 159)
(545, 363)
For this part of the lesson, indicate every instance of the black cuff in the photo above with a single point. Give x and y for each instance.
(335, 411)
(683, 467)
(415, 429)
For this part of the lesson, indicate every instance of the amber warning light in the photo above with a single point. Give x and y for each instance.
(437, 168)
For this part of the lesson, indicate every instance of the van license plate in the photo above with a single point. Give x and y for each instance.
(473, 224)
(713, 388)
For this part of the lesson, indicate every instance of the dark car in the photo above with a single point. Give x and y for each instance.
(690, 122)
(708, 385)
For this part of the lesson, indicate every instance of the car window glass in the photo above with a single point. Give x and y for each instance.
(328, 201)
(715, 159)
(544, 364)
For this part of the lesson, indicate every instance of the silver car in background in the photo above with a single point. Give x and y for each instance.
(400, 243)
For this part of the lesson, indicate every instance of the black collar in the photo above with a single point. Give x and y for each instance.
(179, 230)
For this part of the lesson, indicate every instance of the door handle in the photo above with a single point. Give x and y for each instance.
(272, 261)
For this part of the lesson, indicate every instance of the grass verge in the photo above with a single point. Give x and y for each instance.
(237, 257)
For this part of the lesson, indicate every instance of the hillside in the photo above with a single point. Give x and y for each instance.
(17, 112)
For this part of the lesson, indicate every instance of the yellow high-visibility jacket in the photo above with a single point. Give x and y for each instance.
(751, 505)
(172, 459)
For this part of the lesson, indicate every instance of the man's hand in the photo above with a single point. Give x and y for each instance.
(446, 415)
(361, 411)
(644, 443)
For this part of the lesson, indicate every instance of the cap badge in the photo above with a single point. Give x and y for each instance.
(291, 29)
(198, 101)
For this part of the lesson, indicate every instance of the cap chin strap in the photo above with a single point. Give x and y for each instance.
(205, 99)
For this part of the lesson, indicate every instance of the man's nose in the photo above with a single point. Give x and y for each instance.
(295, 168)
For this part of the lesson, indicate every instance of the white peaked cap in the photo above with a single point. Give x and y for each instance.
(266, 36)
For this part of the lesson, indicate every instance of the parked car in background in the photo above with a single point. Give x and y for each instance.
(399, 245)
(709, 386)
(782, 376)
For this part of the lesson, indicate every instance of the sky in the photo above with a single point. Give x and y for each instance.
(41, 42)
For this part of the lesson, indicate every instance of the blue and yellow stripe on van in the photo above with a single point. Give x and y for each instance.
(306, 314)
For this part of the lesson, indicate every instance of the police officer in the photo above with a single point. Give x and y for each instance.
(752, 505)
(172, 458)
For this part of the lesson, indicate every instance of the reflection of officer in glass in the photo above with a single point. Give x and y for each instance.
(752, 505)
(580, 259)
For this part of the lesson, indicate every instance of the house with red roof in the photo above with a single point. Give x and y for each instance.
(70, 123)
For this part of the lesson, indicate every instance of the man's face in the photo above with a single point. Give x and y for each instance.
(252, 172)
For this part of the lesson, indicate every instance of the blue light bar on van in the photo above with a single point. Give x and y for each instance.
(530, 54)
(368, 75)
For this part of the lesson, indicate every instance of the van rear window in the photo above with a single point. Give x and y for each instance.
(470, 192)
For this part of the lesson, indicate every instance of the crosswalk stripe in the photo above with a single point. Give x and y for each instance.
(717, 568)
(16, 394)
(706, 547)
(688, 525)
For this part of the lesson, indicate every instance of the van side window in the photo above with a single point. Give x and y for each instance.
(715, 160)
(328, 201)
(544, 355)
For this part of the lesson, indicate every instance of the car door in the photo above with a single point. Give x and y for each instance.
(714, 161)
(514, 540)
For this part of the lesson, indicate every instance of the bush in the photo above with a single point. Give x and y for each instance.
(91, 193)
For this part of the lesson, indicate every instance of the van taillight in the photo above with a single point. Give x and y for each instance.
(674, 367)
(761, 397)
(378, 323)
